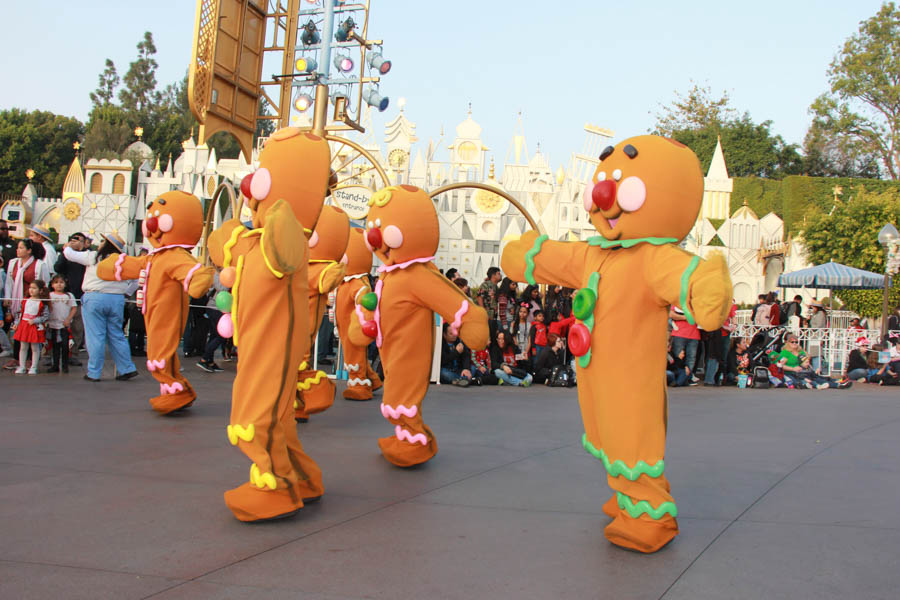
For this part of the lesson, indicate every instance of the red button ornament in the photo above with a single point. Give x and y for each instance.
(579, 339)
(370, 329)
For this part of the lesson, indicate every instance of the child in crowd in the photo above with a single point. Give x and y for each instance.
(537, 335)
(878, 372)
(482, 373)
(519, 332)
(30, 328)
(62, 311)
(503, 358)
(5, 346)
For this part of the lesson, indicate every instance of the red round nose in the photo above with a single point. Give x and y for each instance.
(374, 237)
(604, 194)
(245, 185)
(152, 224)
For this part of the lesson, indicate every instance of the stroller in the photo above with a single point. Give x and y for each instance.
(764, 343)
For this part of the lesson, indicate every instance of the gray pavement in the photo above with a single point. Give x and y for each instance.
(782, 494)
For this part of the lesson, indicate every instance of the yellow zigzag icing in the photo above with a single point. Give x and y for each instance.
(311, 381)
(261, 480)
(239, 431)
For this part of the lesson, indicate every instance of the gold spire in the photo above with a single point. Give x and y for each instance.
(491, 172)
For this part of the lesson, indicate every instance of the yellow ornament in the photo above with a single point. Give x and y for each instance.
(71, 211)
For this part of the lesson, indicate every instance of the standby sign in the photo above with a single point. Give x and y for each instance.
(354, 199)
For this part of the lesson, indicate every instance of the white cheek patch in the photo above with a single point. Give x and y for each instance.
(587, 197)
(314, 239)
(601, 176)
(261, 184)
(377, 222)
(393, 237)
(632, 194)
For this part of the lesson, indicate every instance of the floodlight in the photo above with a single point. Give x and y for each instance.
(302, 102)
(345, 30)
(344, 64)
(373, 98)
(310, 36)
(306, 65)
(377, 61)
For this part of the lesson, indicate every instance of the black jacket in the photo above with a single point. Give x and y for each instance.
(73, 272)
(453, 360)
(548, 359)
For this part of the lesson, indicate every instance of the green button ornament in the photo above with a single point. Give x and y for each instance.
(224, 300)
(583, 303)
(369, 301)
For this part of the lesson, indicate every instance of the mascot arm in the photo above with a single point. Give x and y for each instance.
(195, 278)
(535, 259)
(225, 243)
(446, 299)
(118, 267)
(701, 287)
(283, 242)
(356, 334)
(328, 278)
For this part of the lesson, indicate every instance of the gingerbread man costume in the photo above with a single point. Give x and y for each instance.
(315, 391)
(403, 231)
(644, 198)
(267, 269)
(362, 378)
(170, 274)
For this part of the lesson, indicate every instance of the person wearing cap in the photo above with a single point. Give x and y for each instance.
(41, 235)
(857, 368)
(818, 319)
(103, 308)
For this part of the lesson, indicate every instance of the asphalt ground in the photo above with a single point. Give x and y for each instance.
(781, 494)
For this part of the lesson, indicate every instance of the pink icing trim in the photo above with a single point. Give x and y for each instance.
(378, 337)
(457, 318)
(119, 262)
(389, 412)
(161, 248)
(403, 265)
(154, 365)
(404, 435)
(187, 278)
(360, 315)
(172, 388)
(146, 281)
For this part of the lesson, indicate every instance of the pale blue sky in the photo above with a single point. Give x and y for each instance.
(561, 63)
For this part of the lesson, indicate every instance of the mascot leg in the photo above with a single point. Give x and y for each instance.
(413, 442)
(175, 393)
(642, 508)
(359, 386)
(372, 376)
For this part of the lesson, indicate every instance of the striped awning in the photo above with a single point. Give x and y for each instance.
(832, 276)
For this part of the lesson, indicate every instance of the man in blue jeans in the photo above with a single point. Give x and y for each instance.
(685, 336)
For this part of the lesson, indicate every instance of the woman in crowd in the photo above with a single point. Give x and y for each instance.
(795, 363)
(818, 319)
(738, 361)
(532, 297)
(878, 372)
(857, 365)
(506, 302)
(519, 332)
(553, 355)
(503, 358)
(103, 309)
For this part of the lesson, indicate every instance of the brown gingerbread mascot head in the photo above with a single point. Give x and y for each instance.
(174, 218)
(357, 257)
(402, 225)
(329, 240)
(293, 166)
(646, 186)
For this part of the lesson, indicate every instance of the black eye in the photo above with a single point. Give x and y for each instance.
(161, 201)
(606, 152)
(149, 204)
(630, 151)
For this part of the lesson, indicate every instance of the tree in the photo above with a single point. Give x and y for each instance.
(849, 235)
(698, 120)
(110, 130)
(106, 87)
(827, 155)
(695, 111)
(863, 104)
(140, 80)
(37, 140)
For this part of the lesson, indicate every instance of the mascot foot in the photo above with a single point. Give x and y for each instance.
(358, 392)
(642, 535)
(611, 507)
(406, 454)
(319, 393)
(249, 503)
(377, 384)
(169, 403)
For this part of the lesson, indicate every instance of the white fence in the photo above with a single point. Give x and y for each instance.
(833, 344)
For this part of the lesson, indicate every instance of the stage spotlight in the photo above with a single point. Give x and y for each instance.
(345, 30)
(310, 36)
(344, 64)
(306, 65)
(377, 61)
(302, 102)
(373, 98)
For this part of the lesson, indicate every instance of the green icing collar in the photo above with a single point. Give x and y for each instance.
(599, 240)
